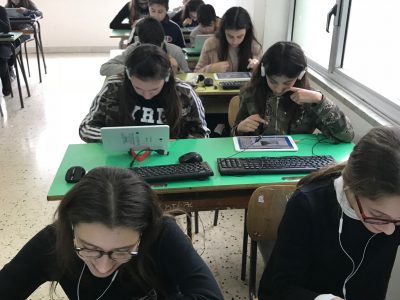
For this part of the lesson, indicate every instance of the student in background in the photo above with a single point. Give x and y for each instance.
(208, 22)
(5, 54)
(149, 31)
(339, 235)
(133, 11)
(146, 94)
(110, 238)
(234, 47)
(188, 15)
(173, 34)
(27, 8)
(279, 100)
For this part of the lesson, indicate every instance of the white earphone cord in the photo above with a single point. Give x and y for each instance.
(354, 269)
(79, 283)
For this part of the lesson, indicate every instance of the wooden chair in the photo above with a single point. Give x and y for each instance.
(264, 213)
(233, 109)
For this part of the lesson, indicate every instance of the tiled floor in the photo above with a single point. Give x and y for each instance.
(32, 143)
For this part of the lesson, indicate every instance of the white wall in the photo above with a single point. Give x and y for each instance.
(67, 28)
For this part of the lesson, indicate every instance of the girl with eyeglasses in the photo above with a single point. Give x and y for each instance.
(339, 235)
(110, 240)
(279, 100)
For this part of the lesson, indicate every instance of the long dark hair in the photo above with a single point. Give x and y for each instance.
(114, 197)
(191, 6)
(135, 11)
(281, 59)
(236, 18)
(150, 62)
(373, 168)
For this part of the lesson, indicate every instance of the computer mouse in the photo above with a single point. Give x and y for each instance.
(208, 81)
(190, 157)
(74, 174)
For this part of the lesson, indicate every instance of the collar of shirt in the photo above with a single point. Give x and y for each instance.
(342, 199)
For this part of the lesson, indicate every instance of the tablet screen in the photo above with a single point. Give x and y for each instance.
(265, 143)
(233, 75)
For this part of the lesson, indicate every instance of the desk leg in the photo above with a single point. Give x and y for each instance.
(189, 225)
(21, 100)
(21, 63)
(37, 42)
(244, 251)
(41, 47)
(196, 221)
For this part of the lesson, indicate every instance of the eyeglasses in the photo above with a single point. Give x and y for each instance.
(374, 220)
(119, 256)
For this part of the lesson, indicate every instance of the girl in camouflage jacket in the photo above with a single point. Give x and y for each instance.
(278, 100)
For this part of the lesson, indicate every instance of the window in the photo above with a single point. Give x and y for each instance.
(361, 50)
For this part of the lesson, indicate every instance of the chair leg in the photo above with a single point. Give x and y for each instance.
(41, 47)
(196, 222)
(189, 225)
(27, 60)
(244, 250)
(21, 63)
(253, 269)
(216, 217)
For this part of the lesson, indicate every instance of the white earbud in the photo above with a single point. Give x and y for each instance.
(301, 75)
(262, 71)
(341, 224)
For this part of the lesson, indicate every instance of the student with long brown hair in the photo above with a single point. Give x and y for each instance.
(133, 11)
(146, 94)
(110, 240)
(339, 236)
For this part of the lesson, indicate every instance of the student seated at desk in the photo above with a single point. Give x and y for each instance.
(6, 63)
(187, 17)
(234, 47)
(27, 8)
(149, 31)
(158, 9)
(278, 99)
(146, 94)
(133, 11)
(208, 22)
(110, 238)
(339, 235)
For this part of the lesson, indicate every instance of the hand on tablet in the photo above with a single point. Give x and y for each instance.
(250, 124)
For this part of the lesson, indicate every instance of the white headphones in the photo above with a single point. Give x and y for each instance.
(299, 77)
(166, 79)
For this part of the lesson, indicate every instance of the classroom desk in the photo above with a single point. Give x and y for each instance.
(215, 192)
(33, 28)
(122, 34)
(201, 90)
(17, 55)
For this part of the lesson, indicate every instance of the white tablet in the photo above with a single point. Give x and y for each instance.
(245, 76)
(153, 137)
(264, 143)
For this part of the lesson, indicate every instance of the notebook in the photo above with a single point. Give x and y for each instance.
(125, 138)
(12, 13)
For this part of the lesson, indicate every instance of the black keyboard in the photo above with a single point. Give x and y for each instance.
(232, 85)
(272, 165)
(198, 170)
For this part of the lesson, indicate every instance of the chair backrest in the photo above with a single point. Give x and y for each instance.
(265, 210)
(233, 110)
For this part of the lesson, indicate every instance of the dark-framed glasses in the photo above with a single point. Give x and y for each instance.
(374, 220)
(116, 255)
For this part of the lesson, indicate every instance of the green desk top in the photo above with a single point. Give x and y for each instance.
(120, 33)
(92, 155)
(201, 90)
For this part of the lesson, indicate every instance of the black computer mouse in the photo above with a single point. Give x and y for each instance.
(190, 157)
(208, 81)
(74, 174)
